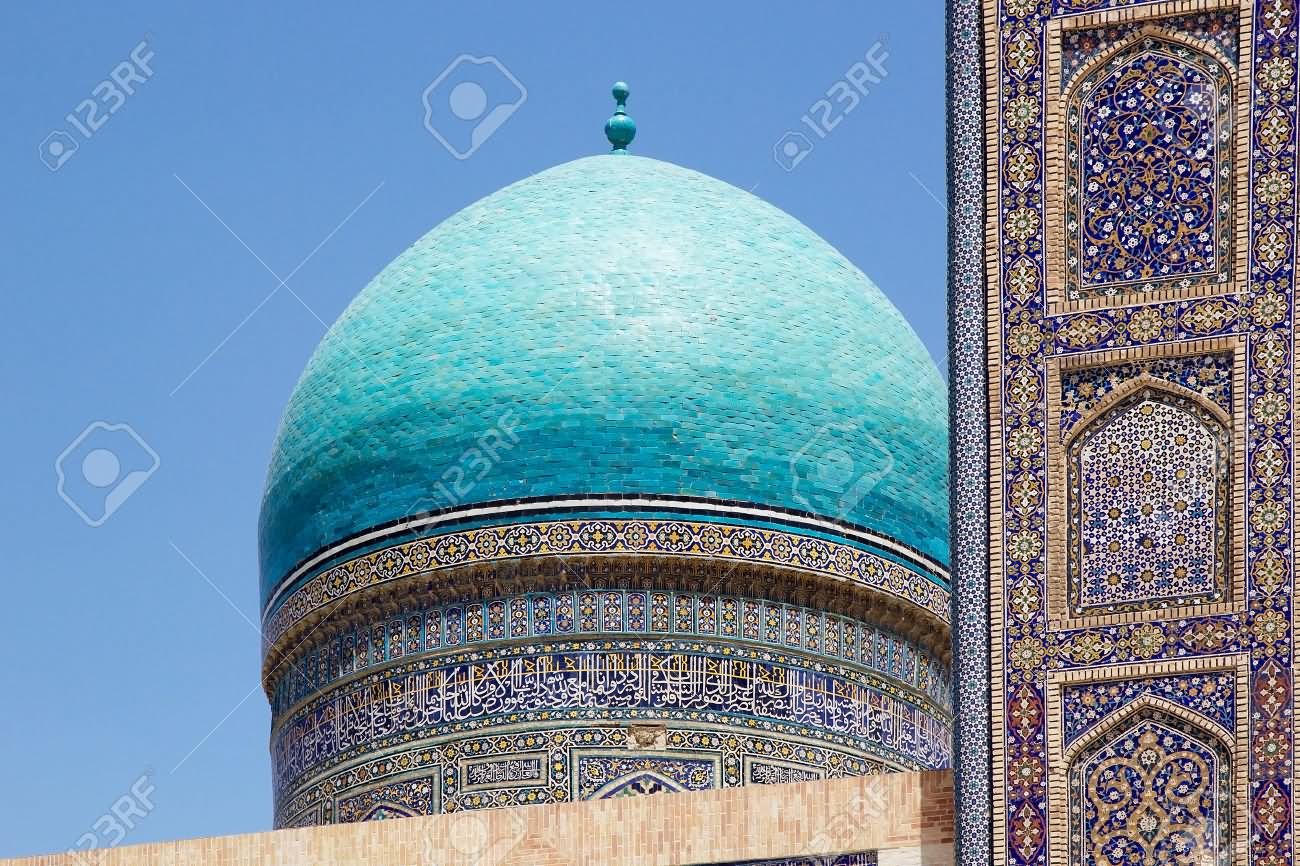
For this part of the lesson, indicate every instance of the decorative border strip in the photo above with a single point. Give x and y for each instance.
(584, 614)
(968, 402)
(545, 687)
(1147, 324)
(647, 507)
(314, 801)
(1066, 8)
(603, 537)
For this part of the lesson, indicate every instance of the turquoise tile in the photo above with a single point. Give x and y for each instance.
(652, 330)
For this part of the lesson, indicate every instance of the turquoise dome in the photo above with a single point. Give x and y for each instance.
(613, 325)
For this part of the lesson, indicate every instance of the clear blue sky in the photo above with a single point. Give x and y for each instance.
(130, 647)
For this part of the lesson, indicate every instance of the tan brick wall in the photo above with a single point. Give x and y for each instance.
(909, 815)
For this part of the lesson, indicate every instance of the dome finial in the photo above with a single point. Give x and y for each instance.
(620, 129)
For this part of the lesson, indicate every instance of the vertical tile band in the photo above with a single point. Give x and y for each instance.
(968, 405)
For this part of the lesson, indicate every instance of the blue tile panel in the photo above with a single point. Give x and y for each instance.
(583, 760)
(817, 718)
(968, 361)
(1247, 821)
(612, 325)
(610, 612)
(1212, 695)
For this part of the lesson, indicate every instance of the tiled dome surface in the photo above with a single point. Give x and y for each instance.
(650, 330)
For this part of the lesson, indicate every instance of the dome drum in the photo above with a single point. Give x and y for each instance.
(924, 625)
(400, 685)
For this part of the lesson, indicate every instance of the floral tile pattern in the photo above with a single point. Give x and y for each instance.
(1029, 646)
(1156, 792)
(1078, 46)
(1208, 375)
(1212, 695)
(1149, 172)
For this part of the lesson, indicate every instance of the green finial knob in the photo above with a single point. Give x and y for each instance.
(620, 129)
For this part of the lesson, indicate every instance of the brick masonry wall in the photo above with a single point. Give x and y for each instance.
(908, 817)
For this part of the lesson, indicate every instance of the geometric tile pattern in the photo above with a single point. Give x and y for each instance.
(606, 537)
(1149, 186)
(1084, 387)
(1157, 791)
(1148, 496)
(968, 372)
(1212, 695)
(1025, 334)
(394, 778)
(395, 800)
(603, 777)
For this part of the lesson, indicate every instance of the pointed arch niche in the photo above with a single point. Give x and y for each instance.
(1146, 486)
(1154, 782)
(1145, 157)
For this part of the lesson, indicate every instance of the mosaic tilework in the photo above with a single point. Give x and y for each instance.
(517, 770)
(622, 612)
(582, 352)
(1209, 375)
(612, 536)
(601, 777)
(378, 777)
(1027, 647)
(1078, 46)
(1213, 695)
(1150, 171)
(395, 800)
(770, 773)
(542, 685)
(1140, 641)
(1026, 8)
(968, 367)
(1151, 324)
(835, 696)
(1155, 792)
(1147, 506)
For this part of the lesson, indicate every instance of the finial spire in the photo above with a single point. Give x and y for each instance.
(620, 129)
